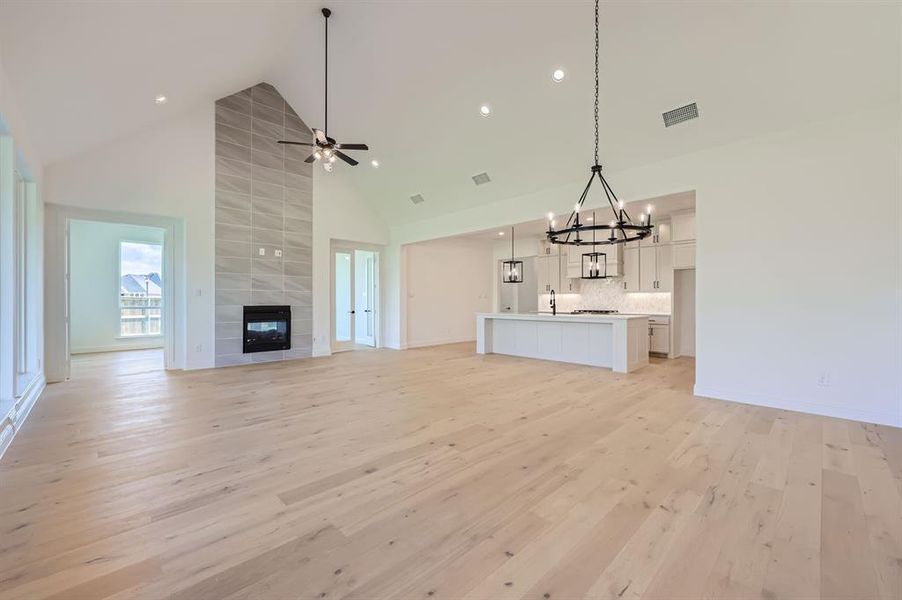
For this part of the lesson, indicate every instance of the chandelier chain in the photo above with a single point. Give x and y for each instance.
(596, 82)
(622, 223)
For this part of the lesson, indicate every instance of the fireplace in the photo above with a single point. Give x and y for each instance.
(267, 328)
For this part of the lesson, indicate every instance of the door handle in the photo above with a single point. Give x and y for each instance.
(351, 311)
(367, 310)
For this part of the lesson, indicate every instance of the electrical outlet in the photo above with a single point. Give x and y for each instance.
(824, 380)
(199, 348)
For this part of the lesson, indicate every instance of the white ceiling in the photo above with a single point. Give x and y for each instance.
(408, 78)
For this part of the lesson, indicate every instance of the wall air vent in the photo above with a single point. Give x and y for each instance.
(678, 115)
(481, 178)
(418, 199)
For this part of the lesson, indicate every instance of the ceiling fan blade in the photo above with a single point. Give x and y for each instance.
(310, 158)
(346, 158)
(353, 146)
(294, 143)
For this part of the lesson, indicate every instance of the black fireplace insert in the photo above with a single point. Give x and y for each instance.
(267, 328)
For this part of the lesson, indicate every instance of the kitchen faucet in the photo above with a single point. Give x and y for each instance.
(553, 304)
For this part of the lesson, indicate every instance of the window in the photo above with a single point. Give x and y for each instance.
(140, 288)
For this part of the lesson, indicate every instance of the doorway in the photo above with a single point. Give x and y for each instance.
(58, 317)
(355, 298)
(116, 283)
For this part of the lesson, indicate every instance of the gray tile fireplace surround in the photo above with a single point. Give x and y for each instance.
(264, 207)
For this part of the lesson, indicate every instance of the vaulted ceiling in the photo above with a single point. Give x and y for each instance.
(408, 78)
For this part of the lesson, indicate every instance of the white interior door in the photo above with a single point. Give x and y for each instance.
(365, 297)
(343, 321)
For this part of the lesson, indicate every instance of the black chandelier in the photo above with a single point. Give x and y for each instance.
(622, 228)
(512, 270)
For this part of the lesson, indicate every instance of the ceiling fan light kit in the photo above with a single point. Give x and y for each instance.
(622, 228)
(326, 148)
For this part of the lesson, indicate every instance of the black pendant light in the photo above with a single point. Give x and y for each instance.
(594, 264)
(622, 228)
(512, 270)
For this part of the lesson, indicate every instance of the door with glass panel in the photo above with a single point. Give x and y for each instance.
(364, 297)
(353, 298)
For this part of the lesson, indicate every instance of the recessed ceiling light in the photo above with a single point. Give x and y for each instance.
(485, 110)
(558, 75)
(500, 233)
(375, 164)
(161, 99)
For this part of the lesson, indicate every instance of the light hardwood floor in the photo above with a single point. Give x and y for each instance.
(438, 473)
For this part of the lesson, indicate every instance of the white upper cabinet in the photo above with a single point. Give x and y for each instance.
(664, 267)
(661, 233)
(684, 255)
(544, 264)
(551, 273)
(648, 268)
(683, 240)
(683, 227)
(631, 281)
(655, 268)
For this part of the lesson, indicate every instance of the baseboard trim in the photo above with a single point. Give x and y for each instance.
(21, 409)
(801, 406)
(426, 344)
(138, 345)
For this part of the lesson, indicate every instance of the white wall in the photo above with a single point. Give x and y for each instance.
(339, 213)
(780, 301)
(94, 285)
(448, 281)
(165, 171)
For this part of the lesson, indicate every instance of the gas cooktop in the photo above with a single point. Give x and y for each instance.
(593, 311)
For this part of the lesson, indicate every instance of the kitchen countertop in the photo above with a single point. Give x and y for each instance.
(581, 318)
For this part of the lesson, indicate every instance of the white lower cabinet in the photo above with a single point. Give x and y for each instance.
(659, 335)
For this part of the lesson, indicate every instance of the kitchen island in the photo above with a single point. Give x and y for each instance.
(618, 342)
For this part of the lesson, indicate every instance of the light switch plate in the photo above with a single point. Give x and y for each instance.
(262, 251)
(278, 253)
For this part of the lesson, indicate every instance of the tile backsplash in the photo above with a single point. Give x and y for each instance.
(609, 294)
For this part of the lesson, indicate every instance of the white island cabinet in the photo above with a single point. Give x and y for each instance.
(618, 342)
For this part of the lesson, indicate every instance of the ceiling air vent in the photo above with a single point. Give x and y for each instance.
(481, 178)
(678, 115)
(418, 199)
